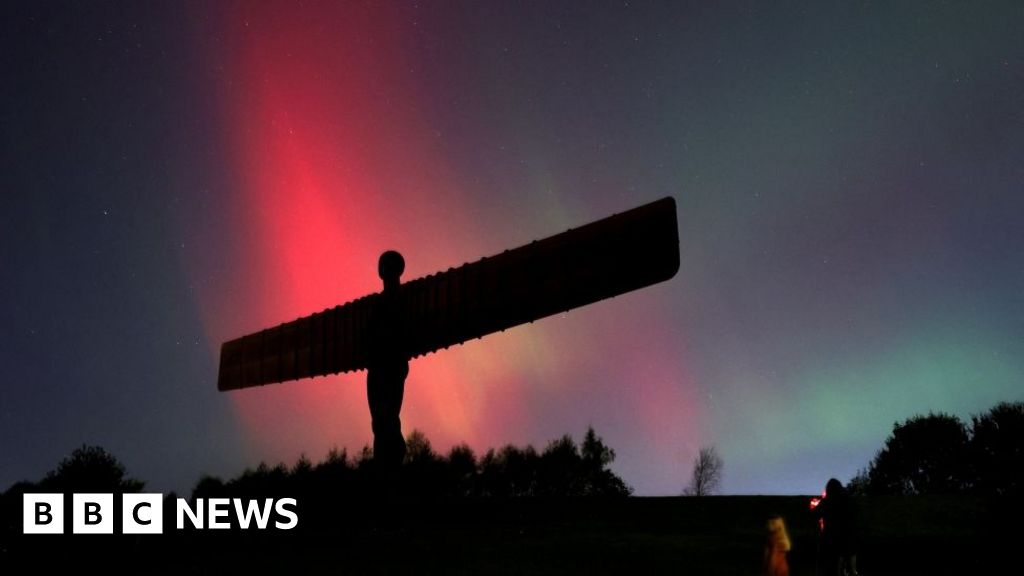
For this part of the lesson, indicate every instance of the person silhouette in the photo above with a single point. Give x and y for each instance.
(776, 546)
(837, 518)
(387, 367)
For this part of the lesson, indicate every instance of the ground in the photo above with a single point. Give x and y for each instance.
(705, 536)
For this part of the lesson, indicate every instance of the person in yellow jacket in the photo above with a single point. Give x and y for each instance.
(776, 547)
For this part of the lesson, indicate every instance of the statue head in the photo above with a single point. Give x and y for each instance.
(390, 267)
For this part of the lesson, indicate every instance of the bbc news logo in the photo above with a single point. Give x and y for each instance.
(143, 513)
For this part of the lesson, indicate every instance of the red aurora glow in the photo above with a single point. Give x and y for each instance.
(334, 164)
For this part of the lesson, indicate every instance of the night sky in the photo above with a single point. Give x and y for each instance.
(849, 179)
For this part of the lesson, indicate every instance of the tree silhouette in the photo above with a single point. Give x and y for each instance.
(418, 448)
(423, 467)
(462, 471)
(208, 487)
(997, 450)
(707, 473)
(924, 455)
(859, 484)
(559, 471)
(90, 469)
(510, 472)
(597, 478)
(562, 469)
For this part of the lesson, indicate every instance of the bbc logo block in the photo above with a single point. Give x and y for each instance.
(142, 514)
(43, 514)
(92, 514)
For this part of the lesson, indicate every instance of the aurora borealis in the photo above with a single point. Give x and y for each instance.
(849, 179)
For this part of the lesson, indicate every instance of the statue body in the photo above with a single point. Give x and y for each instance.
(388, 366)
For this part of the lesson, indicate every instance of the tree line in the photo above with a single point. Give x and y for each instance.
(564, 468)
(940, 454)
(925, 454)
